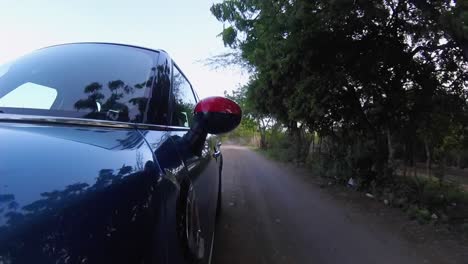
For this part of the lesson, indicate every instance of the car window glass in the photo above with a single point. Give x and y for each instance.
(4, 69)
(184, 100)
(43, 96)
(96, 81)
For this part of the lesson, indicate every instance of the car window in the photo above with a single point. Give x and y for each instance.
(96, 81)
(184, 100)
(43, 96)
(4, 69)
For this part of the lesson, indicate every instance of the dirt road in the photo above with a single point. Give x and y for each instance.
(272, 216)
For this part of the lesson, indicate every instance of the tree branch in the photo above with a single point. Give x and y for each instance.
(431, 48)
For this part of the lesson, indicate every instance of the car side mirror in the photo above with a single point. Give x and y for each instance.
(213, 115)
(217, 115)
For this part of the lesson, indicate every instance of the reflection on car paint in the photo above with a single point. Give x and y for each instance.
(92, 215)
(78, 189)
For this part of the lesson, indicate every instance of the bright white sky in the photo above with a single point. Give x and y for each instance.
(185, 29)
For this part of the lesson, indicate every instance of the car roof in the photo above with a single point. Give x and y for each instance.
(107, 43)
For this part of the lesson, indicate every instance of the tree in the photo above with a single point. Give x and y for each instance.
(363, 73)
(252, 119)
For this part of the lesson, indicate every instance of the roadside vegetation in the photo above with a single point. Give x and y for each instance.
(369, 94)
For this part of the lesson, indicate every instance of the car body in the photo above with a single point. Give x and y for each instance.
(104, 160)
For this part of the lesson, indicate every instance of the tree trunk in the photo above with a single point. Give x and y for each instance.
(311, 148)
(428, 156)
(391, 150)
(405, 160)
(443, 165)
(320, 146)
(263, 139)
(262, 129)
(297, 141)
(380, 159)
(411, 157)
(313, 142)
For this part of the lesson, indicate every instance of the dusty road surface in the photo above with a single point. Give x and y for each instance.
(271, 216)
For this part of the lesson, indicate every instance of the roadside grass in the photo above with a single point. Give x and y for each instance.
(273, 154)
(247, 142)
(426, 200)
(276, 155)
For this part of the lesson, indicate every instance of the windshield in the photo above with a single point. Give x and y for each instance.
(97, 81)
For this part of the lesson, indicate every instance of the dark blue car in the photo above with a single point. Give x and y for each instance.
(107, 156)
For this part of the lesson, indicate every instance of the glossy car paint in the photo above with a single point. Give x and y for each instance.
(79, 191)
(182, 171)
(218, 104)
(203, 176)
(217, 114)
(73, 194)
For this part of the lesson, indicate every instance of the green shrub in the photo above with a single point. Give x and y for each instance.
(419, 196)
(457, 195)
(412, 211)
(423, 216)
(465, 228)
(280, 146)
(433, 194)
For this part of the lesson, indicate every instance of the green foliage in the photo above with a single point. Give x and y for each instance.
(420, 214)
(465, 228)
(246, 129)
(280, 147)
(229, 36)
(381, 70)
(376, 82)
(424, 196)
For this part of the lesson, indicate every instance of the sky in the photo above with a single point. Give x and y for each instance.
(184, 28)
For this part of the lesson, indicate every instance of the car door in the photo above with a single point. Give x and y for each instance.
(83, 189)
(199, 191)
(173, 171)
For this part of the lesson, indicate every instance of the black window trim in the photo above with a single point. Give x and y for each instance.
(171, 94)
(150, 90)
(181, 72)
